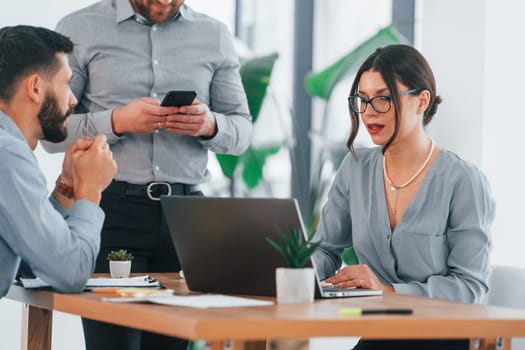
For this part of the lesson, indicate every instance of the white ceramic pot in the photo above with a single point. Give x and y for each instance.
(119, 269)
(295, 285)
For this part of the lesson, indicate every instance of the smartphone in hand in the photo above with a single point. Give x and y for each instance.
(178, 98)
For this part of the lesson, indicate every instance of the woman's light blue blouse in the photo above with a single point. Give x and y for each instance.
(441, 247)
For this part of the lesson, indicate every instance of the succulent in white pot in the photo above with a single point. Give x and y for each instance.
(119, 263)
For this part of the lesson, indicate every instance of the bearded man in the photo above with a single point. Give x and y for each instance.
(58, 236)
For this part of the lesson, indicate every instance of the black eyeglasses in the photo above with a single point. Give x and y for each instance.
(380, 104)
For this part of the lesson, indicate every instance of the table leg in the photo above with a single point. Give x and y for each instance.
(237, 345)
(217, 344)
(36, 328)
(490, 343)
(254, 345)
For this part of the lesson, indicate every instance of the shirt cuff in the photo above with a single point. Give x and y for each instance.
(219, 137)
(104, 125)
(58, 207)
(88, 210)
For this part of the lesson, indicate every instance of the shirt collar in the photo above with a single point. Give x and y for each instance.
(125, 11)
(10, 127)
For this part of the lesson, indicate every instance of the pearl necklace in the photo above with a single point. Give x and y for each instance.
(395, 187)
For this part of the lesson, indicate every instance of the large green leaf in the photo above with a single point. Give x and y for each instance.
(321, 84)
(255, 75)
(228, 164)
(253, 163)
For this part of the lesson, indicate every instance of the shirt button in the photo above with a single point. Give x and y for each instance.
(153, 94)
(154, 27)
(155, 62)
(156, 132)
(157, 168)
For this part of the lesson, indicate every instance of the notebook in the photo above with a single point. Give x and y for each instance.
(221, 243)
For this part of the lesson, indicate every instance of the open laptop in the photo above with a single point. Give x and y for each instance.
(221, 243)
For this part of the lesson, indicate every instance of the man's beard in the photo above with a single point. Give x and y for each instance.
(149, 14)
(52, 120)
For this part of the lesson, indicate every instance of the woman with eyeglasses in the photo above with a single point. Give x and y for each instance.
(417, 215)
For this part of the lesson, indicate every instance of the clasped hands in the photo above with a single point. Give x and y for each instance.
(360, 276)
(146, 115)
(88, 167)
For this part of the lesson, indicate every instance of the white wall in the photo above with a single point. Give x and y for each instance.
(475, 48)
(504, 125)
(455, 48)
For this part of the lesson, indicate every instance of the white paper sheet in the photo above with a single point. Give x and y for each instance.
(33, 283)
(199, 301)
(139, 281)
(100, 282)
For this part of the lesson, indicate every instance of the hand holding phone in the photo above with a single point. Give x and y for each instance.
(195, 120)
(178, 98)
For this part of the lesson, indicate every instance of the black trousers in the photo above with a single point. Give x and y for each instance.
(402, 344)
(135, 223)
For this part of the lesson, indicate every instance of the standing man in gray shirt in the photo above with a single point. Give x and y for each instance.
(128, 55)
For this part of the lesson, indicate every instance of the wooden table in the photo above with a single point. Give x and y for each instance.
(248, 328)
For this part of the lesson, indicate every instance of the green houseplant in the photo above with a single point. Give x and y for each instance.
(296, 283)
(119, 263)
(119, 255)
(295, 249)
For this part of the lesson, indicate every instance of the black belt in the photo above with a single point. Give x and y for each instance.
(153, 190)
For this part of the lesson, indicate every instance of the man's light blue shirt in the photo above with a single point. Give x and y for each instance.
(60, 247)
(118, 59)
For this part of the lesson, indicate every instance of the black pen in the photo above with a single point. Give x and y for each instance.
(358, 311)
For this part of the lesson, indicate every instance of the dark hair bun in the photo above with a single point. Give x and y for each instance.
(431, 110)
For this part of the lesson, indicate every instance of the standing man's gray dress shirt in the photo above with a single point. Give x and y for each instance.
(440, 249)
(61, 248)
(137, 60)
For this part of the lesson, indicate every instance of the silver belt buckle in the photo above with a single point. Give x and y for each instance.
(149, 189)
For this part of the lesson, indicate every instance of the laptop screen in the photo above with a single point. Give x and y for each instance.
(221, 241)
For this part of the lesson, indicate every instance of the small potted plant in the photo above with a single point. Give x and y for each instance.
(119, 263)
(295, 284)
